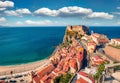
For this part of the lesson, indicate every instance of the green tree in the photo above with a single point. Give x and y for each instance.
(57, 79)
(63, 78)
(100, 70)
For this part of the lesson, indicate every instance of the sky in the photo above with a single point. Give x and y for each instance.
(59, 12)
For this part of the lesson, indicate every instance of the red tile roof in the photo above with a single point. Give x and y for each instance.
(103, 40)
(66, 66)
(91, 43)
(117, 39)
(45, 70)
(51, 75)
(73, 63)
(96, 35)
(85, 78)
(83, 73)
(36, 79)
(80, 56)
(56, 70)
(68, 60)
(2, 81)
(81, 81)
(47, 78)
(97, 60)
(60, 73)
(44, 78)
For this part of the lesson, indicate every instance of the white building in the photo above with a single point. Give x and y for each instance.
(99, 38)
(115, 41)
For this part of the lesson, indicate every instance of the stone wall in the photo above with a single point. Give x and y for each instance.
(112, 52)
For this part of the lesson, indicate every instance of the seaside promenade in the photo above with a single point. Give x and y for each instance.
(21, 72)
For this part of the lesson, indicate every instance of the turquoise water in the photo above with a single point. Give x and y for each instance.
(28, 44)
(20, 45)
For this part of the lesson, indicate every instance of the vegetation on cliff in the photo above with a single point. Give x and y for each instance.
(65, 44)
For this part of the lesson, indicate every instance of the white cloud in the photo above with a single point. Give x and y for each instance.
(11, 13)
(2, 19)
(72, 11)
(100, 15)
(62, 12)
(118, 13)
(44, 22)
(19, 23)
(23, 11)
(18, 12)
(46, 11)
(118, 23)
(118, 8)
(1, 9)
(6, 4)
(37, 23)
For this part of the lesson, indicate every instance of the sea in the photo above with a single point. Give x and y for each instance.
(21, 45)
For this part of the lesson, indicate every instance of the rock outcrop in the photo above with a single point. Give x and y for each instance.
(75, 32)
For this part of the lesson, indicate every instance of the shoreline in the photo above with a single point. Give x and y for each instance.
(23, 63)
(26, 67)
(5, 70)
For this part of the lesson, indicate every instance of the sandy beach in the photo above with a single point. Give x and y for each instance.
(21, 73)
(5, 70)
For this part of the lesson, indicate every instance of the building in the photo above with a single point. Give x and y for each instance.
(67, 59)
(97, 60)
(46, 79)
(91, 46)
(41, 73)
(115, 42)
(66, 66)
(99, 38)
(95, 37)
(73, 65)
(45, 70)
(83, 77)
(86, 38)
(2, 81)
(91, 70)
(56, 58)
(80, 54)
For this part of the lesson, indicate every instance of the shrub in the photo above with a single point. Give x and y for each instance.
(100, 70)
(63, 78)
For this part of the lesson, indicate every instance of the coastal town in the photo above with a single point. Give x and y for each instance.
(82, 57)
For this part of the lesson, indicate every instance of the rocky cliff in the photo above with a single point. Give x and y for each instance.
(75, 32)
